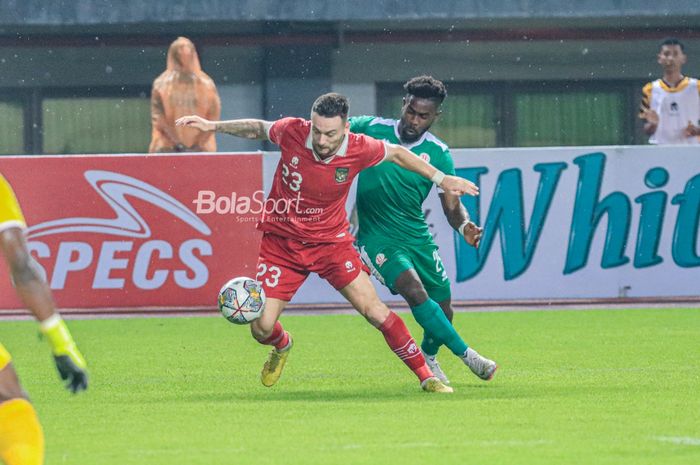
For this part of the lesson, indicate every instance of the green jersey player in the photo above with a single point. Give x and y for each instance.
(394, 239)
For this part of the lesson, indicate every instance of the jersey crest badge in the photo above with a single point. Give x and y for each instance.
(341, 174)
(425, 157)
(380, 259)
(295, 161)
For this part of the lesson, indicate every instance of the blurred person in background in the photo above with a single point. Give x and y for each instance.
(21, 435)
(182, 89)
(671, 104)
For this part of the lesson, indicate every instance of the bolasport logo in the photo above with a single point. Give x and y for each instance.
(250, 208)
(136, 252)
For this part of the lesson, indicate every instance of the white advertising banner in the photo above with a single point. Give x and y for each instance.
(576, 222)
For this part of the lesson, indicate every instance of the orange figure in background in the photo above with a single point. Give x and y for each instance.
(182, 89)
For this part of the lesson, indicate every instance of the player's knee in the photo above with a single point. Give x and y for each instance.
(414, 293)
(376, 313)
(411, 288)
(259, 333)
(9, 386)
(447, 310)
(13, 393)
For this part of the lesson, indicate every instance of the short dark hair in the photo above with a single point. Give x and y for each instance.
(426, 87)
(672, 41)
(331, 105)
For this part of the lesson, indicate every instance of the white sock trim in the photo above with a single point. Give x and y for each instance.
(461, 228)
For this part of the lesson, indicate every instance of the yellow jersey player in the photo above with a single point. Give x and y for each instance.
(671, 105)
(21, 436)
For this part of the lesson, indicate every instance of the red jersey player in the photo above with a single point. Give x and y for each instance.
(307, 230)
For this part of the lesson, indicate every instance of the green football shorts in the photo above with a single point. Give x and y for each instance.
(388, 261)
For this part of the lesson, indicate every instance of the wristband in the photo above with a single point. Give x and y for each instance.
(437, 177)
(462, 226)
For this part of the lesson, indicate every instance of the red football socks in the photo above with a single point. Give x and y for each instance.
(401, 342)
(279, 337)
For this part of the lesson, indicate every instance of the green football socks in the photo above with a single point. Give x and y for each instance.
(438, 329)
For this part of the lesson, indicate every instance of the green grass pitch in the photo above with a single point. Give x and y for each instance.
(574, 387)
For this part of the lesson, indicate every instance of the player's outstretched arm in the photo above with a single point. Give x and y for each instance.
(246, 128)
(450, 184)
(36, 295)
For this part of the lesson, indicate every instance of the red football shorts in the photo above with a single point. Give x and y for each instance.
(284, 264)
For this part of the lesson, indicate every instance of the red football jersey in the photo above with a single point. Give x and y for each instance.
(307, 199)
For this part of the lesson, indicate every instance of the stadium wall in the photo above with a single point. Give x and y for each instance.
(254, 81)
(164, 232)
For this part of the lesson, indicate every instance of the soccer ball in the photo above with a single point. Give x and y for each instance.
(242, 300)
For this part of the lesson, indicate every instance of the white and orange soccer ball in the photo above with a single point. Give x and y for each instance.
(241, 300)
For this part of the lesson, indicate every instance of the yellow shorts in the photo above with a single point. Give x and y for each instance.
(5, 357)
(10, 213)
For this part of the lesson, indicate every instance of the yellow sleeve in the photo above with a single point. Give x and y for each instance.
(646, 96)
(10, 213)
(5, 357)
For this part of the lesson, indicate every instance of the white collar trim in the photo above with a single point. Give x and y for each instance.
(342, 151)
(412, 144)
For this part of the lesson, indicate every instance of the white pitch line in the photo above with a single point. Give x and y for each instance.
(683, 441)
(421, 445)
(515, 442)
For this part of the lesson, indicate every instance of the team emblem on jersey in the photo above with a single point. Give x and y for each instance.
(341, 174)
(295, 161)
(349, 266)
(425, 157)
(380, 259)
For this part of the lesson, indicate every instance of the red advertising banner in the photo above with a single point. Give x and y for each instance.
(137, 231)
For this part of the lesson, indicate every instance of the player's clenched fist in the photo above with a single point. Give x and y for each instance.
(459, 186)
(196, 122)
(472, 233)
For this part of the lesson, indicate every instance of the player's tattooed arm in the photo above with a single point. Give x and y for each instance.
(246, 128)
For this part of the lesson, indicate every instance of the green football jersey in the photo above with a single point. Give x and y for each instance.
(390, 198)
